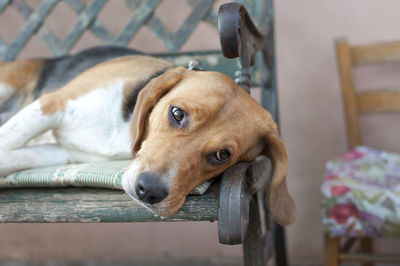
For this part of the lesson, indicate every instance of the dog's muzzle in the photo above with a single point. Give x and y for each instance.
(145, 187)
(149, 189)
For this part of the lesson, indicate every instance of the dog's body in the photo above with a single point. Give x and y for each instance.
(181, 127)
(23, 81)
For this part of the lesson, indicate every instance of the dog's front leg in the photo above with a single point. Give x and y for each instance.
(30, 157)
(25, 125)
(43, 155)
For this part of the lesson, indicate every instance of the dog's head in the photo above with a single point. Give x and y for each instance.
(189, 126)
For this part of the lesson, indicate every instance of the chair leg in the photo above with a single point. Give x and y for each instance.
(366, 247)
(331, 252)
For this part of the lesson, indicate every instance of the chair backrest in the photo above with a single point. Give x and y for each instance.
(357, 103)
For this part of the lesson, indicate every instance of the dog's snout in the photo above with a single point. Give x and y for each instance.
(149, 188)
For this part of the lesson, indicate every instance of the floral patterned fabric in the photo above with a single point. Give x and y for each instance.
(361, 194)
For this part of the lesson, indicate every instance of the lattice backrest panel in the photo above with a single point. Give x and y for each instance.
(143, 14)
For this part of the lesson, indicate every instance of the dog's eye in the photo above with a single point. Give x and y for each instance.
(222, 155)
(178, 114)
(219, 157)
(177, 117)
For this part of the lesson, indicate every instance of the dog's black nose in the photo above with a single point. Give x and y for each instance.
(149, 188)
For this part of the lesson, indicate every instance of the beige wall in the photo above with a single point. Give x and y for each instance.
(310, 100)
(312, 127)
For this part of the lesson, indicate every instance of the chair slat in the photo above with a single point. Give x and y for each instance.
(378, 101)
(348, 93)
(362, 257)
(375, 53)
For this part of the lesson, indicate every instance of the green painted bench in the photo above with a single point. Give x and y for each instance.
(237, 199)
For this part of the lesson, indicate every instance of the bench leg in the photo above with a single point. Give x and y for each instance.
(280, 246)
(331, 252)
(253, 243)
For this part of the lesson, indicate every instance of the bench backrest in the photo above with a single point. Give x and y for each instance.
(143, 15)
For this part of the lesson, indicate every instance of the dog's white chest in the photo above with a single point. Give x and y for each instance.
(93, 123)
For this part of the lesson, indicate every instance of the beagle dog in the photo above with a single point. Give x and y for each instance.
(180, 127)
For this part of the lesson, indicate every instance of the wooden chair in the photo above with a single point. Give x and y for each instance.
(230, 201)
(356, 104)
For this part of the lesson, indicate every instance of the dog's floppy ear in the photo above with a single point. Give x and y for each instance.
(281, 204)
(148, 97)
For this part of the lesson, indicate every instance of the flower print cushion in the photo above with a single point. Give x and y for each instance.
(361, 194)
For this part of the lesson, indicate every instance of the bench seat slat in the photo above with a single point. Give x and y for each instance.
(95, 205)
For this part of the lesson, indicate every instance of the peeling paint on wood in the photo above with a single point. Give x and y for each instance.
(95, 205)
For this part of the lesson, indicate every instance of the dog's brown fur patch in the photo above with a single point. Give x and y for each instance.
(21, 75)
(132, 70)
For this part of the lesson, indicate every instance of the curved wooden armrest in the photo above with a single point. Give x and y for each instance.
(239, 37)
(238, 185)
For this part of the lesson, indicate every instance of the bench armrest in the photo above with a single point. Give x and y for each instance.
(238, 185)
(240, 38)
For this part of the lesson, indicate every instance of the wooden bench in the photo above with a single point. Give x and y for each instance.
(237, 200)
